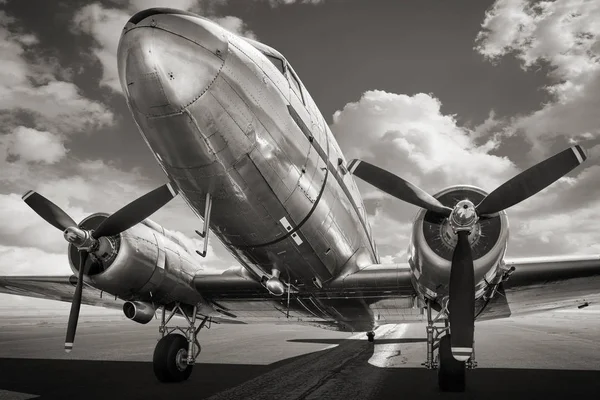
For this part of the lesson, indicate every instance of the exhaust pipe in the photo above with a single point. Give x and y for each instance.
(138, 311)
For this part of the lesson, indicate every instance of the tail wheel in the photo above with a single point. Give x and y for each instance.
(451, 373)
(170, 359)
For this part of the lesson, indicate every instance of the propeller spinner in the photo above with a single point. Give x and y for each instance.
(462, 218)
(87, 241)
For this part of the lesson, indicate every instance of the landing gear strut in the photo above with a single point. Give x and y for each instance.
(175, 354)
(451, 372)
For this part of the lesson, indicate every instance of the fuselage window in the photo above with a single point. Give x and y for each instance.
(277, 62)
(296, 85)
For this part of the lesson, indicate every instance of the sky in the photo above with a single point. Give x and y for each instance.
(438, 92)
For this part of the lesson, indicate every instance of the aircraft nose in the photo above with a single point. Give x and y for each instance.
(167, 59)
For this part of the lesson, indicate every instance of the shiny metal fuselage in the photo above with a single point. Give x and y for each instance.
(221, 118)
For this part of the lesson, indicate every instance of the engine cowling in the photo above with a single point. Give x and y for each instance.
(143, 263)
(433, 241)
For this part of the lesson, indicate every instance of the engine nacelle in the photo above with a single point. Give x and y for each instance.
(433, 241)
(143, 263)
(139, 311)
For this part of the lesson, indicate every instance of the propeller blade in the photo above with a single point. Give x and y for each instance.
(46, 209)
(76, 304)
(397, 187)
(135, 212)
(461, 304)
(531, 181)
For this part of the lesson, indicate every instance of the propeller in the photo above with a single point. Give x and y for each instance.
(135, 212)
(76, 303)
(461, 305)
(532, 180)
(462, 218)
(46, 209)
(87, 241)
(397, 187)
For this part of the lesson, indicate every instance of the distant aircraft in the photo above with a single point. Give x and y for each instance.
(242, 141)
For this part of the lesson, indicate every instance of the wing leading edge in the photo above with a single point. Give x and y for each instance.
(60, 288)
(550, 283)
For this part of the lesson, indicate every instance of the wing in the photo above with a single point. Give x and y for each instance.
(385, 290)
(547, 283)
(59, 288)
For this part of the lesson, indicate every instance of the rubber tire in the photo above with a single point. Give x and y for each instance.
(164, 362)
(371, 336)
(451, 372)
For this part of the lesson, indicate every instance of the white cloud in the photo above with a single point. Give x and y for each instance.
(22, 227)
(32, 86)
(212, 263)
(410, 137)
(33, 261)
(565, 34)
(96, 187)
(31, 145)
(105, 26)
(235, 25)
(27, 39)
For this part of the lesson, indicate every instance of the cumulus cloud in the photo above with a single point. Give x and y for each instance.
(410, 137)
(33, 261)
(21, 227)
(31, 145)
(97, 186)
(35, 87)
(564, 34)
(212, 263)
(235, 25)
(104, 25)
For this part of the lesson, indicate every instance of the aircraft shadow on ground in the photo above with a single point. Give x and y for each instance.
(75, 379)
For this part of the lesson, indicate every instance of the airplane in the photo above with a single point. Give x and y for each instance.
(243, 143)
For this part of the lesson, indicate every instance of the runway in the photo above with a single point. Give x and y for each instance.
(554, 355)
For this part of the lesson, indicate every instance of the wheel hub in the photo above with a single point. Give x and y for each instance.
(181, 359)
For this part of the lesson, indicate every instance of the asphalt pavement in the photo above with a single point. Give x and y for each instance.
(550, 356)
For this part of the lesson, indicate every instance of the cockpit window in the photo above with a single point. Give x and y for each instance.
(277, 62)
(296, 85)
